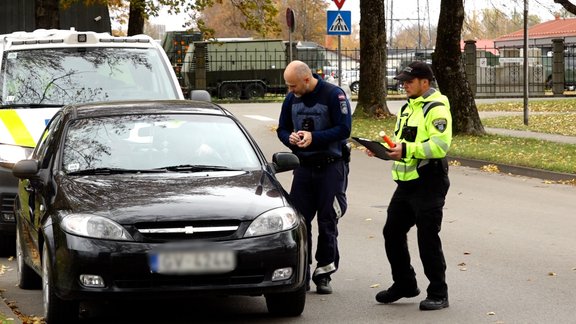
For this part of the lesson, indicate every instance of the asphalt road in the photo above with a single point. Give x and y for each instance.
(509, 244)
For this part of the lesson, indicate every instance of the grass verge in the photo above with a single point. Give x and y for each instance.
(526, 152)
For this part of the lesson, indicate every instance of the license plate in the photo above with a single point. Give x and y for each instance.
(197, 262)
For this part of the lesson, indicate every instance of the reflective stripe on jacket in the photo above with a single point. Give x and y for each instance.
(424, 127)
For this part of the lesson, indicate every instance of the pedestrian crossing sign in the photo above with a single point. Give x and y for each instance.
(339, 22)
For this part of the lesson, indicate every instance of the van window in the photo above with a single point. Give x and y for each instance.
(60, 76)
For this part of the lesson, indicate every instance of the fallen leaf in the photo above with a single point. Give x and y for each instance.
(375, 286)
(461, 264)
(490, 313)
(466, 253)
(552, 274)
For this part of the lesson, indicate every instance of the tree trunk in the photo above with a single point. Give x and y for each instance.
(449, 70)
(372, 94)
(47, 14)
(136, 18)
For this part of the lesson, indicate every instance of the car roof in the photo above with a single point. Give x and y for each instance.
(117, 108)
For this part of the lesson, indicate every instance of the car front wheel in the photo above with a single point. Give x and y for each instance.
(287, 304)
(56, 310)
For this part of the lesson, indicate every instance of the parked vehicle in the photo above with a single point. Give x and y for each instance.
(243, 68)
(44, 70)
(154, 199)
(352, 78)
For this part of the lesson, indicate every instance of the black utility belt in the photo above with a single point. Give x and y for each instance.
(318, 160)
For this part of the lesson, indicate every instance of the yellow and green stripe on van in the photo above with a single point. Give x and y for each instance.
(16, 128)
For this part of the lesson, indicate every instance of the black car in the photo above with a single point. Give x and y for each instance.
(152, 199)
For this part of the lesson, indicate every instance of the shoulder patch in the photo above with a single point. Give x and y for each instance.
(344, 106)
(440, 124)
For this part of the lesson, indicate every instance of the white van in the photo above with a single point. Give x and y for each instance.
(44, 70)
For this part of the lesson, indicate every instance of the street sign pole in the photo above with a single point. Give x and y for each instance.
(339, 61)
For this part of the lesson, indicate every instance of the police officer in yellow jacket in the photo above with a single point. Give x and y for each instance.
(423, 135)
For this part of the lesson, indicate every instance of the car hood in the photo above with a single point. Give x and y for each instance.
(171, 196)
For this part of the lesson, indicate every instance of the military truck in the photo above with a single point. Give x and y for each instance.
(244, 68)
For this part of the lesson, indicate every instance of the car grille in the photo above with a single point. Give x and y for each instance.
(178, 231)
(7, 207)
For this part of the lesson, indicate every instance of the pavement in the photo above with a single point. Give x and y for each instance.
(8, 317)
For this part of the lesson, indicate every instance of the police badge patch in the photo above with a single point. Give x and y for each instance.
(343, 104)
(440, 124)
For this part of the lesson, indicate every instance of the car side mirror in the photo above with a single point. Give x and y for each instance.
(285, 161)
(26, 169)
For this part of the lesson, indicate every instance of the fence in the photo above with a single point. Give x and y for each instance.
(258, 72)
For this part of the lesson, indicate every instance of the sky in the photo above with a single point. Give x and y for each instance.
(401, 12)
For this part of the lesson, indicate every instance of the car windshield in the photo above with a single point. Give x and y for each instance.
(169, 143)
(78, 75)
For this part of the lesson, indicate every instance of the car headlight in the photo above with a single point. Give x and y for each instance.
(94, 226)
(273, 221)
(10, 154)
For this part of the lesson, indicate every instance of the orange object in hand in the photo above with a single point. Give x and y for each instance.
(387, 139)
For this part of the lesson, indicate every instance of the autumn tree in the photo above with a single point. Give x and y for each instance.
(372, 96)
(412, 37)
(449, 69)
(491, 23)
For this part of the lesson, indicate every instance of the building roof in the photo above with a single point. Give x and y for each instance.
(557, 28)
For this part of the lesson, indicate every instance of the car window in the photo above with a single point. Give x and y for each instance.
(155, 141)
(45, 142)
(79, 75)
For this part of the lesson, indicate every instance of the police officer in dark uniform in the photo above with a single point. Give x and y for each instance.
(315, 123)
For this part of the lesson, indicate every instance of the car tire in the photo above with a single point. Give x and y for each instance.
(287, 304)
(7, 246)
(355, 87)
(27, 277)
(56, 310)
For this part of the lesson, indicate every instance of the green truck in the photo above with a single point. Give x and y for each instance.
(241, 68)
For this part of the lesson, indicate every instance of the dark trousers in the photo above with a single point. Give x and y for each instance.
(321, 191)
(418, 202)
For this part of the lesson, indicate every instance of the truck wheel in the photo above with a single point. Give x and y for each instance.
(255, 90)
(230, 91)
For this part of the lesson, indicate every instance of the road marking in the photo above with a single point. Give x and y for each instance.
(259, 117)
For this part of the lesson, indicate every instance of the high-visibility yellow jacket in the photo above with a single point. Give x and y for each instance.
(424, 127)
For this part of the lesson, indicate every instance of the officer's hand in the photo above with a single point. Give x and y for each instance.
(305, 139)
(395, 152)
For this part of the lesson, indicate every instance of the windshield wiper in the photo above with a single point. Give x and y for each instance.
(30, 105)
(196, 168)
(99, 171)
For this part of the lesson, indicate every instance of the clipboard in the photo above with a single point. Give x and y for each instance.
(380, 151)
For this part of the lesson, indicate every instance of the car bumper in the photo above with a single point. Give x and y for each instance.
(124, 266)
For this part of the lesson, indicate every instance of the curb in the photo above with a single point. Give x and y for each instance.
(516, 170)
(6, 314)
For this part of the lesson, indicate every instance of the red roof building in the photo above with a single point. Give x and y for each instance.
(541, 35)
